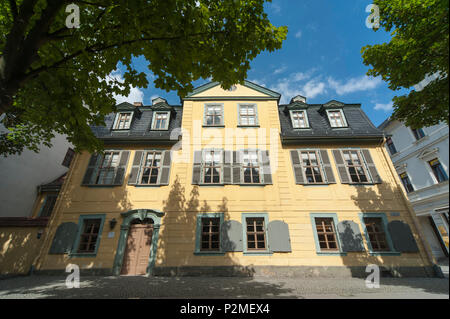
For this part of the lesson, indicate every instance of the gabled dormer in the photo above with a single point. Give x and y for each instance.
(335, 114)
(162, 113)
(297, 112)
(125, 113)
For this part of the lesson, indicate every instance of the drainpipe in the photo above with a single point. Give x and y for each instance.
(431, 259)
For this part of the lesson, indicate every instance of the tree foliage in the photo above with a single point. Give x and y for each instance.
(417, 53)
(56, 80)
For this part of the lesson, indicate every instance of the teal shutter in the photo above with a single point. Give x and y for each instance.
(165, 168)
(279, 239)
(326, 165)
(64, 239)
(342, 169)
(350, 236)
(91, 170)
(231, 236)
(376, 179)
(120, 170)
(265, 167)
(297, 167)
(237, 158)
(197, 167)
(402, 237)
(227, 167)
(134, 174)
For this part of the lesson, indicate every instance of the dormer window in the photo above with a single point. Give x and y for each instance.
(336, 118)
(299, 119)
(123, 121)
(160, 121)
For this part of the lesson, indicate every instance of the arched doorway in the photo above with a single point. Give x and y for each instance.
(138, 241)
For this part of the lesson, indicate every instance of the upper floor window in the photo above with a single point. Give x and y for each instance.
(406, 182)
(311, 166)
(250, 167)
(160, 121)
(355, 166)
(299, 119)
(68, 158)
(49, 204)
(106, 169)
(248, 115)
(212, 167)
(418, 133)
(213, 115)
(391, 146)
(438, 170)
(123, 121)
(151, 167)
(336, 118)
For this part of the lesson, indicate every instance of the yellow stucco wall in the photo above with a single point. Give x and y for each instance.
(181, 201)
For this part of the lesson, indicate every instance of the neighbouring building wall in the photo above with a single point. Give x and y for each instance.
(20, 175)
(428, 195)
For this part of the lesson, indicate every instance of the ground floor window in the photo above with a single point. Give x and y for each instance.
(256, 233)
(89, 236)
(376, 233)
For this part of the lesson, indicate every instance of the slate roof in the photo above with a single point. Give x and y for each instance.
(139, 131)
(359, 125)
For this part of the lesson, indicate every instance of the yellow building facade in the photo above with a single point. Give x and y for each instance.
(233, 183)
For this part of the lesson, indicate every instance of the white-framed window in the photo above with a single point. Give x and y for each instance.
(299, 119)
(213, 115)
(212, 166)
(336, 118)
(251, 167)
(247, 115)
(123, 121)
(160, 120)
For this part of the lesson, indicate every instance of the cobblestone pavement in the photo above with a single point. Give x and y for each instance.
(221, 287)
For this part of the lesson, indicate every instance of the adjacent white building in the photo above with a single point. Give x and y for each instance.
(420, 157)
(20, 175)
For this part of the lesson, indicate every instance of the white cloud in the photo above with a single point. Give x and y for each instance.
(362, 83)
(280, 70)
(313, 88)
(136, 95)
(384, 107)
(295, 84)
(298, 35)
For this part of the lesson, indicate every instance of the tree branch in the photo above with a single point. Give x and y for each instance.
(13, 7)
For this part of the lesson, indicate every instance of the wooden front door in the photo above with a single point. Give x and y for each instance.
(137, 251)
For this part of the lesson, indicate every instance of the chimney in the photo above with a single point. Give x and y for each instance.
(298, 98)
(138, 104)
(158, 100)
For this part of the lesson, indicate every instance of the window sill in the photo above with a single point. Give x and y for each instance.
(302, 128)
(159, 129)
(315, 184)
(384, 253)
(209, 253)
(76, 255)
(331, 253)
(102, 186)
(248, 126)
(340, 127)
(144, 185)
(213, 126)
(258, 253)
(120, 129)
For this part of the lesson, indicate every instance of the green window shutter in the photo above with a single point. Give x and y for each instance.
(134, 174)
(227, 167)
(297, 167)
(165, 168)
(326, 165)
(64, 239)
(350, 236)
(120, 170)
(279, 239)
(265, 167)
(342, 169)
(371, 166)
(197, 167)
(93, 164)
(237, 167)
(402, 237)
(231, 236)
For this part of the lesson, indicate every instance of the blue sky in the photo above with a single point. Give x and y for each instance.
(320, 59)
